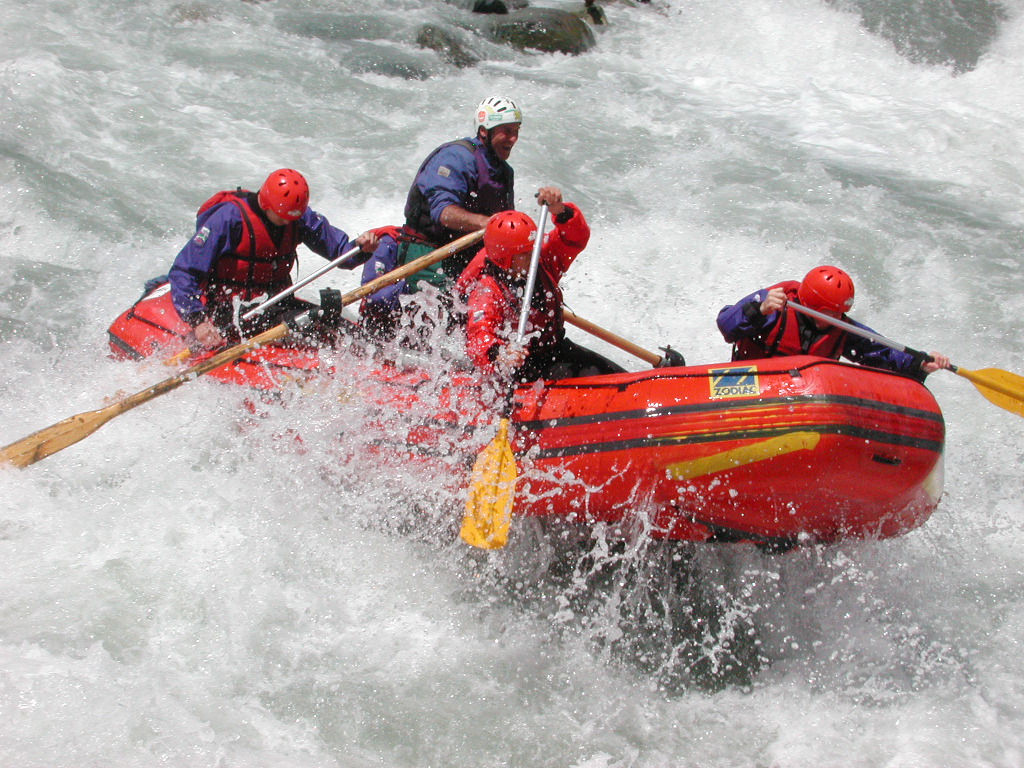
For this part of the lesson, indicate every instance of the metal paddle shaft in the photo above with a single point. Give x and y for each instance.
(376, 284)
(193, 347)
(999, 387)
(856, 330)
(301, 284)
(45, 442)
(492, 486)
(531, 279)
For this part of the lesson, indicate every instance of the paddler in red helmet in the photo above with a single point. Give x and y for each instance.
(493, 285)
(245, 247)
(764, 325)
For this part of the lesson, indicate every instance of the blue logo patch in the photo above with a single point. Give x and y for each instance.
(734, 382)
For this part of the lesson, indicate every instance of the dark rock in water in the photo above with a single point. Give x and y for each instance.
(490, 6)
(954, 33)
(595, 13)
(446, 43)
(541, 29)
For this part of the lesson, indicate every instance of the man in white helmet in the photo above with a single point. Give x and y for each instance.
(457, 189)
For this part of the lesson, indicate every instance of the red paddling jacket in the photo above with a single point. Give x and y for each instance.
(495, 301)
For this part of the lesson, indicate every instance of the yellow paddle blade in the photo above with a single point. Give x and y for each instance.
(1003, 388)
(489, 504)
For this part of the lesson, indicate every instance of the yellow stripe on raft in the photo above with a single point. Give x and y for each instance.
(747, 454)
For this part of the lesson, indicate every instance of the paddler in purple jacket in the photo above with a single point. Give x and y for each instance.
(244, 247)
(457, 189)
(761, 325)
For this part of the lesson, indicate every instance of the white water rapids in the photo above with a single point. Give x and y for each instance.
(193, 587)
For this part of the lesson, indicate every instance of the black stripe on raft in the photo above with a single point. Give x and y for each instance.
(753, 434)
(723, 405)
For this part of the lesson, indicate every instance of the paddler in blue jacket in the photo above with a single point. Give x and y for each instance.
(245, 246)
(762, 325)
(459, 186)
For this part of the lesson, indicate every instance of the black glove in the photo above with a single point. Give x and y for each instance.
(671, 358)
(917, 367)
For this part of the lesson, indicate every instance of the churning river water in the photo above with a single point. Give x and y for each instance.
(191, 587)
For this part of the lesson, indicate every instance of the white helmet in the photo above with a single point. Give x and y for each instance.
(495, 111)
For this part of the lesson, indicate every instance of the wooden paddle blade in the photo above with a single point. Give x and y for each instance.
(50, 440)
(489, 504)
(55, 438)
(1000, 387)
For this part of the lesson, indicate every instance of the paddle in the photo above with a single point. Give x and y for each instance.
(301, 284)
(1000, 387)
(57, 437)
(185, 354)
(492, 487)
(616, 341)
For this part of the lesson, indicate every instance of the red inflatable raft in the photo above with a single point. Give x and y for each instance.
(778, 452)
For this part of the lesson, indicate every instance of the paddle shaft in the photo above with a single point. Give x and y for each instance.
(48, 441)
(301, 284)
(279, 332)
(1001, 382)
(383, 282)
(412, 267)
(858, 331)
(877, 337)
(407, 270)
(531, 279)
(276, 333)
(616, 341)
(45, 442)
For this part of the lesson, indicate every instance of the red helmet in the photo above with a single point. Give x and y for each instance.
(508, 233)
(286, 193)
(827, 289)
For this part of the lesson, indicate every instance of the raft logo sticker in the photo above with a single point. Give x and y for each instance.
(734, 382)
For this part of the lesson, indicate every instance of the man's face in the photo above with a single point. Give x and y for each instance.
(275, 219)
(520, 266)
(503, 138)
(821, 325)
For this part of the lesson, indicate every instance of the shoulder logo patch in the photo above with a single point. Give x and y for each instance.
(201, 235)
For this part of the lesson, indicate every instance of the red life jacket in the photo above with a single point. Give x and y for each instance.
(258, 265)
(785, 336)
(494, 308)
